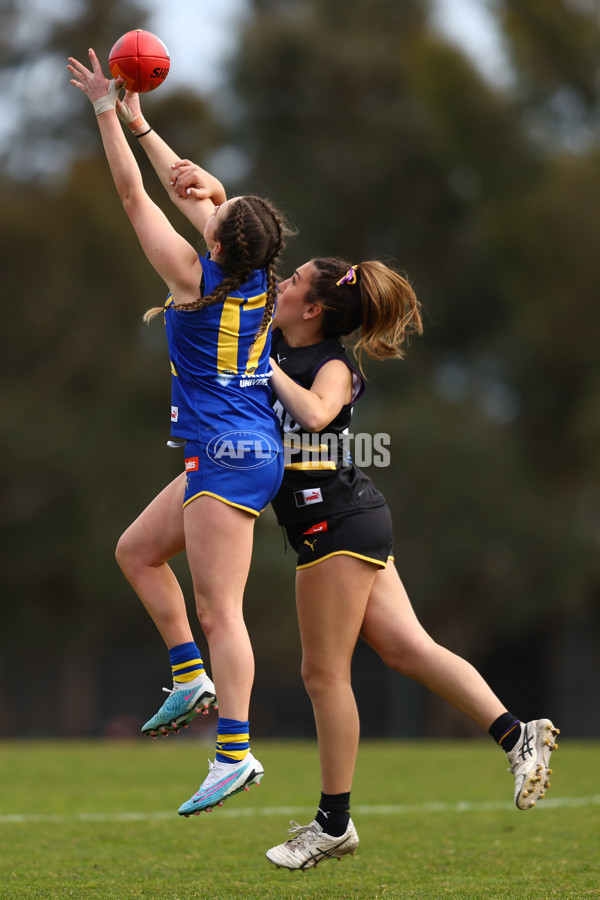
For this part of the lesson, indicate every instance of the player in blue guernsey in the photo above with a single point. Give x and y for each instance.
(220, 371)
(218, 322)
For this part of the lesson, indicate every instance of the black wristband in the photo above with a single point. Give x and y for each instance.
(144, 133)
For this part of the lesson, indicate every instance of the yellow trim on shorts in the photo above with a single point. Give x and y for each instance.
(223, 500)
(369, 559)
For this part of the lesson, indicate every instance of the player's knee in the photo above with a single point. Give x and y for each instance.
(128, 551)
(122, 552)
(317, 678)
(410, 660)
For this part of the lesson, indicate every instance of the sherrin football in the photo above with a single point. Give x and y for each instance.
(141, 58)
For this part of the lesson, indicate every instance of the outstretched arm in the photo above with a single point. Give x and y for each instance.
(166, 164)
(175, 260)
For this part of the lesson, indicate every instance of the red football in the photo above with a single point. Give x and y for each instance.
(141, 58)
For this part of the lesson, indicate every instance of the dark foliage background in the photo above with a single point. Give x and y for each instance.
(379, 138)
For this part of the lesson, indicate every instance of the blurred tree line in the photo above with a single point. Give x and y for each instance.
(380, 138)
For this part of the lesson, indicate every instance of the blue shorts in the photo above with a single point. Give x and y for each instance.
(241, 474)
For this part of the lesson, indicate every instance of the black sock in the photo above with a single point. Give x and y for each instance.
(506, 731)
(334, 813)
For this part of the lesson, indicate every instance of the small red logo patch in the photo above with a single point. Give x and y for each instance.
(314, 529)
(312, 496)
(192, 464)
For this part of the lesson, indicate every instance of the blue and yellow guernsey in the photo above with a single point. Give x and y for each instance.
(219, 373)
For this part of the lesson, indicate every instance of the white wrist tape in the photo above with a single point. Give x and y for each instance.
(124, 113)
(134, 123)
(108, 101)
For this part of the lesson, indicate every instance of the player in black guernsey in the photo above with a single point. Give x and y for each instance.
(321, 483)
(346, 582)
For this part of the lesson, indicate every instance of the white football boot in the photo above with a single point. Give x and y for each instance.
(529, 760)
(311, 845)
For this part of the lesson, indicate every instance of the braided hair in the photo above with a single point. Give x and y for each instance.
(370, 298)
(252, 237)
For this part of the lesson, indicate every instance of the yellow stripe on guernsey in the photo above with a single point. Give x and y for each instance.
(309, 464)
(229, 333)
(169, 302)
(259, 345)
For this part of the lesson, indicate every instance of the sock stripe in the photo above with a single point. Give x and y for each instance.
(180, 667)
(233, 740)
(232, 726)
(183, 679)
(186, 662)
(231, 756)
(506, 733)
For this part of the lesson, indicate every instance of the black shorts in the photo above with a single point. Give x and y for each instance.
(364, 533)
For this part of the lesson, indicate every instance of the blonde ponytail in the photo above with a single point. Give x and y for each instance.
(369, 298)
(390, 312)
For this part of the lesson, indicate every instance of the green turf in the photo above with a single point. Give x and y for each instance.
(98, 820)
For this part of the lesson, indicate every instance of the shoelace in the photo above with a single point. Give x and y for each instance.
(300, 839)
(171, 690)
(210, 778)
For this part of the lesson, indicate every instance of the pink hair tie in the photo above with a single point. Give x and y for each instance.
(349, 278)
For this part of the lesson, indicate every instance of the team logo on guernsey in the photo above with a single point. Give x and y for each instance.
(225, 377)
(192, 464)
(242, 449)
(308, 496)
(174, 413)
(315, 529)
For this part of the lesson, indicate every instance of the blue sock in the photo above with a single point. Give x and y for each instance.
(233, 740)
(186, 662)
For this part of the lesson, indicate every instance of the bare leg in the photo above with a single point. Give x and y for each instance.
(142, 553)
(392, 629)
(219, 549)
(331, 599)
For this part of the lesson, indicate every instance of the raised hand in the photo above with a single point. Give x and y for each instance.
(190, 180)
(102, 93)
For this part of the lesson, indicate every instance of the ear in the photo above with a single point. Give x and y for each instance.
(217, 249)
(312, 311)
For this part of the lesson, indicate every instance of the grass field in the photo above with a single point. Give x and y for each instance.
(436, 820)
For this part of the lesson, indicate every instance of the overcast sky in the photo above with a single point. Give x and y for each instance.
(199, 35)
